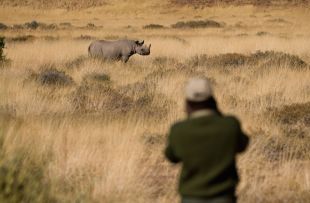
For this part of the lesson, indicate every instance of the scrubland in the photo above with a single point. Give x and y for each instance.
(76, 129)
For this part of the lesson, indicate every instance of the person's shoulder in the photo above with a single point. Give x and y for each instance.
(179, 124)
(232, 119)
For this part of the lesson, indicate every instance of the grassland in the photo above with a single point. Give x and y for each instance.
(75, 129)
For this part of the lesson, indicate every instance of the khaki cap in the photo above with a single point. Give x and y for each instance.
(198, 89)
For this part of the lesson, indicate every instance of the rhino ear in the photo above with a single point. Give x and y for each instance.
(139, 43)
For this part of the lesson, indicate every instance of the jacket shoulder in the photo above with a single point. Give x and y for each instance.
(232, 119)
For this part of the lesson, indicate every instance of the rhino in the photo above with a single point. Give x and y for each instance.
(120, 50)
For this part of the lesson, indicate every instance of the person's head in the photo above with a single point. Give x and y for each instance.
(199, 95)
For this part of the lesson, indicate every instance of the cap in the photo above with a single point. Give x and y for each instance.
(198, 89)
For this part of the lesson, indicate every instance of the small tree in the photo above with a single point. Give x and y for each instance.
(2, 45)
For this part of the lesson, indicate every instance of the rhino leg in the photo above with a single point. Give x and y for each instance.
(125, 59)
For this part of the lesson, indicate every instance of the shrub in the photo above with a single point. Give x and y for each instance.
(65, 24)
(262, 59)
(96, 78)
(280, 147)
(197, 24)
(22, 38)
(99, 98)
(85, 37)
(3, 26)
(52, 76)
(262, 33)
(76, 63)
(153, 26)
(32, 25)
(292, 114)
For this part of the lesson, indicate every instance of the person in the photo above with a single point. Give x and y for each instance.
(206, 143)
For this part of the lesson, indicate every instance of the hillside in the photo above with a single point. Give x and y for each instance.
(77, 4)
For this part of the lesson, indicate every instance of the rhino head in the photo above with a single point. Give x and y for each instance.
(142, 49)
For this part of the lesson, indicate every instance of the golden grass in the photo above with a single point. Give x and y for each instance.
(110, 148)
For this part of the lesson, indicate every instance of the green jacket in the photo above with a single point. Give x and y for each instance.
(207, 147)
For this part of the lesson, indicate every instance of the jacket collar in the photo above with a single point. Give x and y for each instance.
(201, 113)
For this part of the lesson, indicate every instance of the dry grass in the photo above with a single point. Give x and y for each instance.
(100, 127)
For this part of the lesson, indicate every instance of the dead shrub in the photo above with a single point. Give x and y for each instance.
(50, 38)
(3, 26)
(272, 58)
(31, 25)
(277, 20)
(137, 89)
(23, 38)
(153, 139)
(65, 24)
(97, 78)
(85, 37)
(283, 148)
(262, 59)
(262, 33)
(153, 26)
(292, 114)
(91, 25)
(164, 61)
(100, 98)
(223, 60)
(76, 63)
(50, 76)
(197, 24)
(17, 27)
